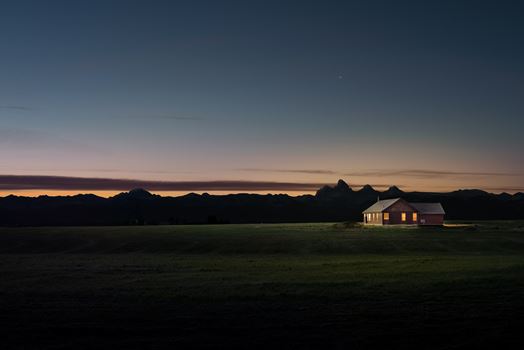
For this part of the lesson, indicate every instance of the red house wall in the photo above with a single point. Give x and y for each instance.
(395, 214)
(431, 219)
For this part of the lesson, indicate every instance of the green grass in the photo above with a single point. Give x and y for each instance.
(296, 285)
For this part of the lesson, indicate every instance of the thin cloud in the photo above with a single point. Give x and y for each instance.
(15, 107)
(170, 117)
(416, 173)
(91, 170)
(175, 117)
(300, 171)
(37, 182)
(423, 173)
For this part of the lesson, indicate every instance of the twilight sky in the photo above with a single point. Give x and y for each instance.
(261, 96)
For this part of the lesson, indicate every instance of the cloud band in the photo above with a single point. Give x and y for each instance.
(37, 182)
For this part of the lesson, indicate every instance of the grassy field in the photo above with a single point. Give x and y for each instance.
(285, 286)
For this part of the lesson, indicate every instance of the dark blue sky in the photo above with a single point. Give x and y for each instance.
(265, 90)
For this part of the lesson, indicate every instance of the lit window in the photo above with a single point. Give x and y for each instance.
(403, 216)
(386, 216)
(415, 217)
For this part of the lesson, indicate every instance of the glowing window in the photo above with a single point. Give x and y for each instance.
(403, 216)
(415, 217)
(386, 216)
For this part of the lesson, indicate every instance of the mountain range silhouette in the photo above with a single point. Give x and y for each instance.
(330, 203)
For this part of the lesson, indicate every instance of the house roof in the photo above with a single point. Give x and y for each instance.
(428, 208)
(423, 208)
(379, 206)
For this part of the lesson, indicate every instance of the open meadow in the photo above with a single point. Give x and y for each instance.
(269, 285)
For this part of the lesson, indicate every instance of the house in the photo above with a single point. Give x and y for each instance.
(398, 211)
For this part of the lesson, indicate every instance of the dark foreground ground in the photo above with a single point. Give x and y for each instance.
(279, 286)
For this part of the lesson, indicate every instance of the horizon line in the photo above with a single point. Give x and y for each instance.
(71, 184)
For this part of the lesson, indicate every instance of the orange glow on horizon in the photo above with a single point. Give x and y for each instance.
(107, 194)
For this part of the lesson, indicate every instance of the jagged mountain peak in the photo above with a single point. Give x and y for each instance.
(342, 185)
(339, 189)
(136, 193)
(367, 188)
(394, 191)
